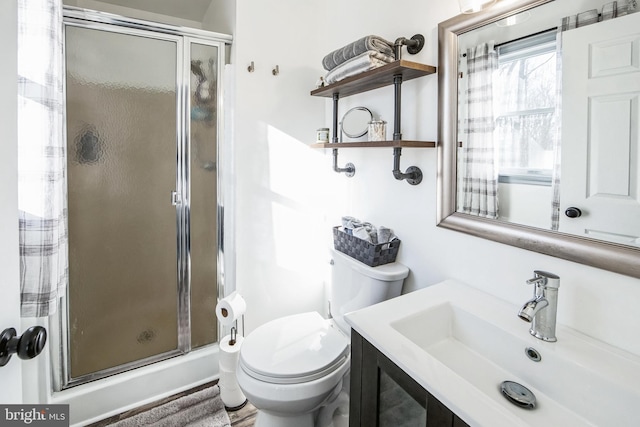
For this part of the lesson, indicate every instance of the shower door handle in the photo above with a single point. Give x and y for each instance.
(175, 198)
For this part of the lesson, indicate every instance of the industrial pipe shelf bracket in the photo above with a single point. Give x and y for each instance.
(349, 170)
(413, 174)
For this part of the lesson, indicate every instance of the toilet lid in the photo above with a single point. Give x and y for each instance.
(294, 349)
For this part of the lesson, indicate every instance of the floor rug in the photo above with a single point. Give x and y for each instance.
(198, 409)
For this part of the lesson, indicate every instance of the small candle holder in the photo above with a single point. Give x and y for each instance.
(322, 135)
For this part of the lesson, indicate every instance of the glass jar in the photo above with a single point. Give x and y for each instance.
(322, 135)
(377, 130)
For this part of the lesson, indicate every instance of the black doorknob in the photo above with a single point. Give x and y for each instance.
(26, 346)
(573, 212)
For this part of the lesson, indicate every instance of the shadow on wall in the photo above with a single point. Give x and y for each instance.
(288, 186)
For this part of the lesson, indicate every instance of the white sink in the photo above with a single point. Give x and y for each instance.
(461, 344)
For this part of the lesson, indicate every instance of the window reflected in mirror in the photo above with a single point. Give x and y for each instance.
(509, 130)
(540, 83)
(539, 118)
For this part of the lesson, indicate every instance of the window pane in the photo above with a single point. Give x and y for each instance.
(526, 142)
(526, 84)
(525, 93)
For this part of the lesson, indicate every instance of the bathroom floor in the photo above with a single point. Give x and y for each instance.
(245, 417)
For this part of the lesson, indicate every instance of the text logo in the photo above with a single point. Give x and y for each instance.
(34, 415)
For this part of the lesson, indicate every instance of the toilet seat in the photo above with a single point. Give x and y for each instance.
(294, 349)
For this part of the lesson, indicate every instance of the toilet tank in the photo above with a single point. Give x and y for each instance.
(355, 285)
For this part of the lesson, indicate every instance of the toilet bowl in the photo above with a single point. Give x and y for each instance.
(295, 369)
(291, 367)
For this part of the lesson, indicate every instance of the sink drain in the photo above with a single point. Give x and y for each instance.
(533, 354)
(518, 394)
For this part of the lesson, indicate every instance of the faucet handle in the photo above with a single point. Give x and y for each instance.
(538, 280)
(543, 278)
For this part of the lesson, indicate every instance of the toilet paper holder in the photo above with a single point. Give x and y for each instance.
(230, 309)
(234, 335)
(234, 329)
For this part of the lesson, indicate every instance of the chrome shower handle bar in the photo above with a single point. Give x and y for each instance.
(175, 198)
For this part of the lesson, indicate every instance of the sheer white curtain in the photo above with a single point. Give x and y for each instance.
(41, 157)
(477, 166)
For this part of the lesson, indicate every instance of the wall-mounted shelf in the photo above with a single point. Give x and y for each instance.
(375, 144)
(391, 74)
(374, 79)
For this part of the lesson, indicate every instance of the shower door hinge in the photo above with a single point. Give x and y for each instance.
(175, 198)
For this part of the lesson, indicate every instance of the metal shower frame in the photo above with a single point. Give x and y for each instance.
(183, 37)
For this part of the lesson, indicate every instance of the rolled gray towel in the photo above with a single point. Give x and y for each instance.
(350, 222)
(356, 48)
(365, 234)
(364, 62)
(385, 234)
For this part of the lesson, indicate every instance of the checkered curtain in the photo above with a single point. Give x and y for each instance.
(609, 10)
(477, 165)
(555, 181)
(41, 157)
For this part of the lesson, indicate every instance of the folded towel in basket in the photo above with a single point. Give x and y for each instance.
(366, 231)
(356, 48)
(361, 63)
(385, 235)
(349, 222)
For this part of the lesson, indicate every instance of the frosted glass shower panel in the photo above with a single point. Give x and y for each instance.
(121, 140)
(203, 200)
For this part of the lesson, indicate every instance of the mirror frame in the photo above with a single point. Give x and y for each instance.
(366, 128)
(600, 254)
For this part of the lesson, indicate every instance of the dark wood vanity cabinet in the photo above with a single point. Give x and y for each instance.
(383, 395)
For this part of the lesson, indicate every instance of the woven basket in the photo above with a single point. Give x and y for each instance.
(363, 251)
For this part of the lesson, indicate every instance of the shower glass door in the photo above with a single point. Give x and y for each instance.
(142, 198)
(203, 214)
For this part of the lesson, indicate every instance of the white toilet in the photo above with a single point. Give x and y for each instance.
(295, 370)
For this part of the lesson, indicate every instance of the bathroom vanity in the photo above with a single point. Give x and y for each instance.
(383, 395)
(450, 354)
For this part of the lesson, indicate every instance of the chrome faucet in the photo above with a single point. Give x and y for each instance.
(542, 308)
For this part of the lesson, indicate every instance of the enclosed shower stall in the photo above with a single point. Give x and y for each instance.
(143, 123)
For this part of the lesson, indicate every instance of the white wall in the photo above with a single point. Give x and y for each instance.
(132, 13)
(220, 17)
(281, 184)
(288, 198)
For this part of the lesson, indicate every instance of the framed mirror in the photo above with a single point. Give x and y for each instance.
(355, 122)
(589, 215)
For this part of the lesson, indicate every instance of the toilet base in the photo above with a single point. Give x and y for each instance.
(266, 419)
(336, 412)
(236, 408)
